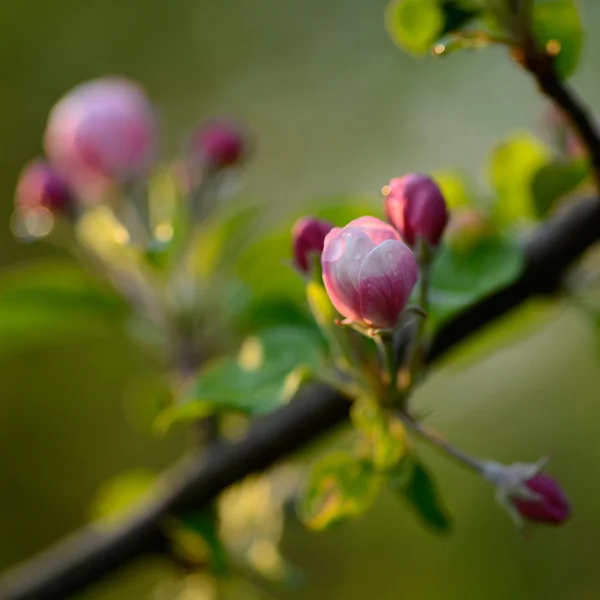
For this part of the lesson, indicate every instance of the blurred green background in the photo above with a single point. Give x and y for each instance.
(336, 109)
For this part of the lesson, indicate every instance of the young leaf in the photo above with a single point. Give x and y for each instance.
(416, 485)
(415, 24)
(266, 373)
(461, 278)
(203, 524)
(47, 301)
(557, 27)
(341, 487)
(120, 495)
(555, 180)
(512, 168)
(457, 14)
(384, 435)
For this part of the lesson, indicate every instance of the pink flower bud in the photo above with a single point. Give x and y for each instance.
(416, 208)
(368, 272)
(104, 128)
(308, 235)
(41, 186)
(547, 504)
(527, 493)
(220, 143)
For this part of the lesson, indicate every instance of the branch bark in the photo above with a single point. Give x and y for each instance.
(91, 554)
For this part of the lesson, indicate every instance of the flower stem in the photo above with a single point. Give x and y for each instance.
(389, 361)
(440, 443)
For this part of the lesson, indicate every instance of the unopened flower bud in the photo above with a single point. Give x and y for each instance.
(220, 144)
(416, 208)
(105, 128)
(368, 272)
(547, 504)
(528, 493)
(41, 186)
(308, 236)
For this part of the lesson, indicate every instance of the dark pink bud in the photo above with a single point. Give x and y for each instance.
(220, 143)
(308, 236)
(548, 503)
(103, 129)
(368, 272)
(416, 208)
(40, 185)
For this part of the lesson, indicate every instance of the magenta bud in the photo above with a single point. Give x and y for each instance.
(368, 272)
(308, 236)
(546, 504)
(104, 129)
(40, 185)
(220, 143)
(416, 208)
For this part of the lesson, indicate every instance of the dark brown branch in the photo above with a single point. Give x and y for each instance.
(88, 556)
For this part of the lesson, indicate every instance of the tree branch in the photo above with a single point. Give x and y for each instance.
(93, 553)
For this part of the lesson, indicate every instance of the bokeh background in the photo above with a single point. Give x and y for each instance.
(336, 109)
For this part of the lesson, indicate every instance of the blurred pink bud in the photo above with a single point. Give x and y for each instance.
(368, 272)
(220, 143)
(416, 208)
(308, 235)
(547, 504)
(104, 128)
(41, 186)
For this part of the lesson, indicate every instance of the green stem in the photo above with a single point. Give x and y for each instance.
(441, 444)
(389, 361)
(417, 359)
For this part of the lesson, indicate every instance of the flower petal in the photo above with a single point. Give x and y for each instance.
(376, 229)
(343, 254)
(387, 276)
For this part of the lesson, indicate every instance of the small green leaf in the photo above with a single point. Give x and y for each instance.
(119, 496)
(457, 14)
(267, 372)
(204, 523)
(453, 188)
(340, 488)
(558, 28)
(512, 168)
(461, 278)
(416, 485)
(555, 180)
(383, 434)
(415, 24)
(51, 301)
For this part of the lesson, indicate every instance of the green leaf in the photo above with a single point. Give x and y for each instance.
(558, 28)
(453, 188)
(383, 435)
(457, 14)
(203, 523)
(417, 486)
(461, 278)
(46, 302)
(121, 495)
(267, 372)
(512, 168)
(340, 488)
(415, 24)
(555, 180)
